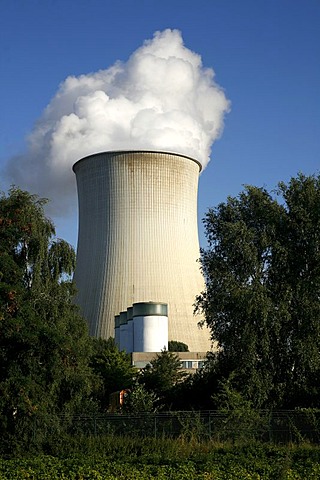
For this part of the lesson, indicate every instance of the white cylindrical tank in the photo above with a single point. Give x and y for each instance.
(138, 239)
(150, 325)
(130, 329)
(117, 330)
(123, 331)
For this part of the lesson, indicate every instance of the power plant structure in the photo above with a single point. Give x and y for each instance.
(138, 240)
(142, 328)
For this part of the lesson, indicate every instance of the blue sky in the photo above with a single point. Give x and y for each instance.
(265, 54)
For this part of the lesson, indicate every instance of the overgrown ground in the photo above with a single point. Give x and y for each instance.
(112, 458)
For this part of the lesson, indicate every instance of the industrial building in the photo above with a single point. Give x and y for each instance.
(138, 240)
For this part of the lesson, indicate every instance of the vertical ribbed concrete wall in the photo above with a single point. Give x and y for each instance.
(138, 239)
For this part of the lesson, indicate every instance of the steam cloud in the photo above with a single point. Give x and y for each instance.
(162, 98)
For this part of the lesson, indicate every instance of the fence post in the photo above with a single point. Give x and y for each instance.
(270, 427)
(34, 428)
(95, 425)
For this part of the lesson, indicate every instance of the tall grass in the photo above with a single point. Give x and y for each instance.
(159, 450)
(111, 458)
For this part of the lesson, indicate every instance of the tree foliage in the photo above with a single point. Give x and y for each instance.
(138, 399)
(113, 369)
(44, 342)
(162, 375)
(262, 298)
(175, 346)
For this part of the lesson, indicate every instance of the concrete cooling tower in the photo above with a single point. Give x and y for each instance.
(138, 239)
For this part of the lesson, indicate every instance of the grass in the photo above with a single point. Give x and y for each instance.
(113, 458)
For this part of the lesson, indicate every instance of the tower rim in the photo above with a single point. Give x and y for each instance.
(122, 152)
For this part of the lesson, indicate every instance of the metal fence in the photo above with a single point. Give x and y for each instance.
(277, 426)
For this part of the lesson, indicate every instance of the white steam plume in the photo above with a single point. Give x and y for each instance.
(160, 99)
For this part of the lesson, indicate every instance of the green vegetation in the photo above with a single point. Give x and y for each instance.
(140, 400)
(262, 298)
(262, 305)
(163, 372)
(175, 346)
(112, 368)
(44, 344)
(111, 459)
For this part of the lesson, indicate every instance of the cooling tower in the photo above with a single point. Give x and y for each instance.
(138, 239)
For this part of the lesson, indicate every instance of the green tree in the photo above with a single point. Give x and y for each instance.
(196, 390)
(162, 375)
(138, 399)
(113, 369)
(240, 421)
(175, 346)
(262, 297)
(44, 342)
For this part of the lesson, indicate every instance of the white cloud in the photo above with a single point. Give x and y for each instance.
(161, 98)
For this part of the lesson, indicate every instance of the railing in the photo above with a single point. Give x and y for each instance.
(277, 426)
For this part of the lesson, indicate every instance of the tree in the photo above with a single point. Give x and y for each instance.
(162, 375)
(175, 346)
(138, 399)
(262, 297)
(240, 421)
(196, 391)
(44, 343)
(113, 369)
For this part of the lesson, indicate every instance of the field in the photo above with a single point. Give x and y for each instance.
(111, 458)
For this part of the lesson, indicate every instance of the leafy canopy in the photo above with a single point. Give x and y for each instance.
(163, 372)
(262, 297)
(175, 346)
(44, 343)
(113, 369)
